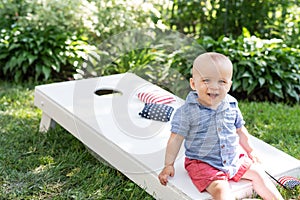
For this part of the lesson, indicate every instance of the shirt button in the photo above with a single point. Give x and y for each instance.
(222, 146)
(224, 162)
(219, 129)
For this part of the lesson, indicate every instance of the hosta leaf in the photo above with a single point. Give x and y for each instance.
(246, 74)
(46, 72)
(276, 92)
(31, 58)
(261, 81)
(235, 85)
(278, 85)
(4, 55)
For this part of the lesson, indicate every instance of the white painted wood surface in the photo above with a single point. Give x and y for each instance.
(110, 126)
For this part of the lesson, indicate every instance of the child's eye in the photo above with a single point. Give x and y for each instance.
(222, 82)
(205, 80)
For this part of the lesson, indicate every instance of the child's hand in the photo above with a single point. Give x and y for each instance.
(165, 173)
(253, 156)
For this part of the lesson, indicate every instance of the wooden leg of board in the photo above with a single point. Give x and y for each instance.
(46, 123)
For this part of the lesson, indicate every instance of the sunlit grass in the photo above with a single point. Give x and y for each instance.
(276, 124)
(51, 165)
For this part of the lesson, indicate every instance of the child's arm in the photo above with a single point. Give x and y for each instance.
(173, 148)
(245, 143)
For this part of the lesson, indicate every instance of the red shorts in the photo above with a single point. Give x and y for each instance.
(202, 174)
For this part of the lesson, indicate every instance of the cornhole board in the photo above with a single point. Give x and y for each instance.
(103, 114)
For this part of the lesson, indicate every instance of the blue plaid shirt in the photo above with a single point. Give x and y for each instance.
(210, 135)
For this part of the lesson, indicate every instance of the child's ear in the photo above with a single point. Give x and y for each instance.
(192, 84)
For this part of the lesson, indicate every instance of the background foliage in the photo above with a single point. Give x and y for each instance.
(264, 70)
(51, 40)
(264, 18)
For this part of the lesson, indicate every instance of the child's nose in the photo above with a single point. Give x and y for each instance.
(213, 85)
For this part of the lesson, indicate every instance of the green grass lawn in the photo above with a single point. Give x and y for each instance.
(55, 165)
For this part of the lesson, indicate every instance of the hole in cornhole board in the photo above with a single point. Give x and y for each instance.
(105, 92)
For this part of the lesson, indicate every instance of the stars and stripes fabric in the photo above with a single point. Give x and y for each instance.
(289, 182)
(156, 97)
(158, 112)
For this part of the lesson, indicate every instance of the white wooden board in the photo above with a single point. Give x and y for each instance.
(110, 126)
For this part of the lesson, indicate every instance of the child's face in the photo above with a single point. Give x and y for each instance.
(212, 81)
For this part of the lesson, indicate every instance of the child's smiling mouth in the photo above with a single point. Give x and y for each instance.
(213, 95)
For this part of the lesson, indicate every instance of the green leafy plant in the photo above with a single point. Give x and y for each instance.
(263, 69)
(31, 53)
(265, 19)
(116, 16)
(47, 39)
(40, 40)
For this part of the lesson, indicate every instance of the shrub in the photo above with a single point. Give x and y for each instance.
(114, 17)
(266, 19)
(38, 54)
(40, 40)
(45, 39)
(263, 69)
